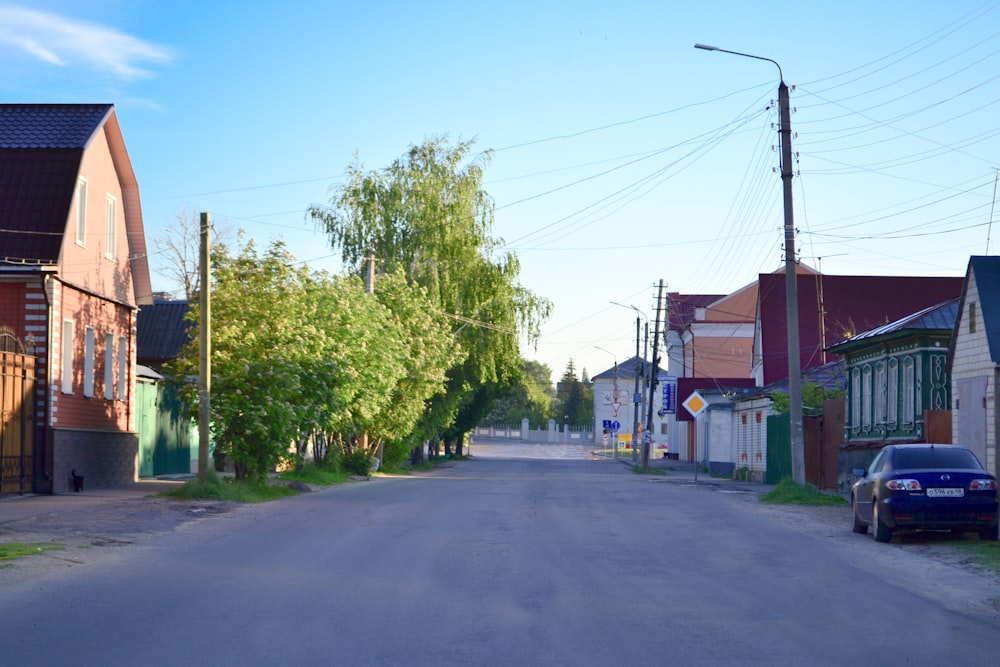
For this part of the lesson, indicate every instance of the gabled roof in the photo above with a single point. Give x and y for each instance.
(681, 308)
(986, 271)
(940, 318)
(850, 304)
(58, 126)
(161, 331)
(628, 369)
(41, 149)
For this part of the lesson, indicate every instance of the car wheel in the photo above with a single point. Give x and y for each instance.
(990, 534)
(860, 526)
(883, 533)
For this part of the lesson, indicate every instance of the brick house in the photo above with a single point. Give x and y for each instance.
(73, 273)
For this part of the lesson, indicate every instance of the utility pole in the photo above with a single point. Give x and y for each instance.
(636, 421)
(204, 348)
(792, 289)
(647, 436)
(791, 280)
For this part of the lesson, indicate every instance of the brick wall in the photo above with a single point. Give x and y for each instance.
(104, 459)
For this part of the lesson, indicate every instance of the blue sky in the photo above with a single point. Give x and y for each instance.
(622, 154)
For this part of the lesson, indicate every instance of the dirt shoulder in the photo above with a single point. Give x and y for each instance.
(92, 529)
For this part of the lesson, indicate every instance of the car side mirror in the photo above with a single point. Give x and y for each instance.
(859, 472)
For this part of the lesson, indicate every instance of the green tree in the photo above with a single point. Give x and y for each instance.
(529, 397)
(301, 357)
(428, 216)
(813, 395)
(574, 398)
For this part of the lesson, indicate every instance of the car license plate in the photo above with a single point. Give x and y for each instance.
(945, 493)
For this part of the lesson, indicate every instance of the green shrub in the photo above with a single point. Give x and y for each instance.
(356, 462)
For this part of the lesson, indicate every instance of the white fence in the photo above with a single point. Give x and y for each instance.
(524, 432)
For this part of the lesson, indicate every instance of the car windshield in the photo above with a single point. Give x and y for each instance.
(935, 457)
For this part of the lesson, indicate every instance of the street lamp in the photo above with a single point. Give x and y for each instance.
(791, 285)
(637, 396)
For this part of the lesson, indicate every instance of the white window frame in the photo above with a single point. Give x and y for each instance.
(880, 392)
(67, 356)
(868, 399)
(81, 211)
(856, 398)
(89, 345)
(122, 367)
(909, 390)
(109, 365)
(111, 228)
(892, 413)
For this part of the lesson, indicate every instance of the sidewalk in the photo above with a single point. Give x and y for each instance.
(14, 508)
(689, 472)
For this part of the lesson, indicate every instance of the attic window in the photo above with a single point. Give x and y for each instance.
(972, 317)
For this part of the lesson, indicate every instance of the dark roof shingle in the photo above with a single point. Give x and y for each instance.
(161, 331)
(50, 125)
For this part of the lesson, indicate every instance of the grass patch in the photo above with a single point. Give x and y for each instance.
(215, 488)
(982, 552)
(14, 550)
(639, 470)
(787, 492)
(313, 474)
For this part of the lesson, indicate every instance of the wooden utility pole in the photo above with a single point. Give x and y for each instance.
(205, 349)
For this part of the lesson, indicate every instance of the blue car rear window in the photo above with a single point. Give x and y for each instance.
(935, 457)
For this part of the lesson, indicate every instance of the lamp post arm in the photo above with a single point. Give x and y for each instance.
(706, 47)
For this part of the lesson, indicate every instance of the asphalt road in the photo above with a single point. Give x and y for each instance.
(508, 561)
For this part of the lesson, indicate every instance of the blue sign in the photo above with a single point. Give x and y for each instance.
(616, 426)
(670, 395)
(606, 423)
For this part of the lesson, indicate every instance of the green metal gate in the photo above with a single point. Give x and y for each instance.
(779, 448)
(167, 435)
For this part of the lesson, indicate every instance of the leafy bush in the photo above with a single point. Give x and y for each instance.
(356, 462)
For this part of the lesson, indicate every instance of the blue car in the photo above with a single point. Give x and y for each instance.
(925, 487)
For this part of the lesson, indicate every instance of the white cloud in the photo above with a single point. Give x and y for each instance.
(61, 41)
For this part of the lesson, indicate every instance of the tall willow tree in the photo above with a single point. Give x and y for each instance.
(428, 216)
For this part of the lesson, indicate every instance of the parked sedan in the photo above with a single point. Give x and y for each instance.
(925, 487)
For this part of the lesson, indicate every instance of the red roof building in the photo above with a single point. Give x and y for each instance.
(833, 309)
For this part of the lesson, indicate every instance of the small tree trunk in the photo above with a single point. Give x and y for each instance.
(417, 455)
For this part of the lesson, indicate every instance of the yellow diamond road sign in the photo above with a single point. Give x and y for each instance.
(695, 404)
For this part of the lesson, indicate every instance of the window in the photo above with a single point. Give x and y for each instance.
(880, 392)
(855, 398)
(909, 390)
(892, 413)
(866, 397)
(122, 366)
(110, 229)
(972, 317)
(109, 366)
(88, 362)
(81, 211)
(67, 357)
